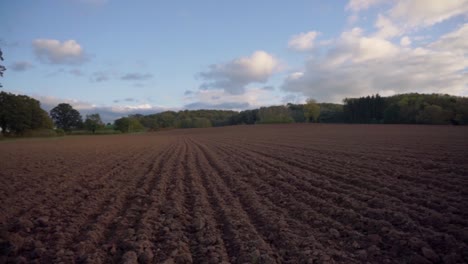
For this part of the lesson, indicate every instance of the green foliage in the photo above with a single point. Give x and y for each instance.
(93, 122)
(369, 109)
(410, 108)
(19, 113)
(128, 124)
(331, 113)
(185, 119)
(246, 117)
(433, 114)
(297, 112)
(65, 117)
(196, 122)
(274, 114)
(311, 110)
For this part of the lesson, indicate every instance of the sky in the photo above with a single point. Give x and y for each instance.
(119, 57)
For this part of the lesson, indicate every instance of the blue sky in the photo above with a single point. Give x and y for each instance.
(120, 57)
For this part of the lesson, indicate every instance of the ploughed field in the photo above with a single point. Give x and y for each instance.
(245, 194)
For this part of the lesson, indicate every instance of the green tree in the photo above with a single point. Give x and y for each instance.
(311, 110)
(19, 113)
(433, 114)
(274, 114)
(331, 113)
(128, 124)
(93, 122)
(2, 68)
(297, 112)
(65, 117)
(200, 122)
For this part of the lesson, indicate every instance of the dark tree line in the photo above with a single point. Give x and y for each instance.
(411, 108)
(185, 119)
(367, 109)
(20, 114)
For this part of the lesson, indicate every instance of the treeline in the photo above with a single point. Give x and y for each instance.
(21, 115)
(291, 113)
(414, 108)
(185, 119)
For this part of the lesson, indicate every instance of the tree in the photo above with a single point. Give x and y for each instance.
(2, 68)
(433, 114)
(311, 110)
(93, 122)
(128, 124)
(65, 117)
(19, 113)
(274, 114)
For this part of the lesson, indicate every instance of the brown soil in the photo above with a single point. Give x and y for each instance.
(245, 194)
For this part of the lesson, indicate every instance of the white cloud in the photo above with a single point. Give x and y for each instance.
(303, 41)
(358, 5)
(353, 46)
(424, 13)
(295, 75)
(361, 65)
(56, 52)
(235, 75)
(386, 28)
(220, 99)
(455, 42)
(405, 41)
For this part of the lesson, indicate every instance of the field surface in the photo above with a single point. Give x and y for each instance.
(245, 194)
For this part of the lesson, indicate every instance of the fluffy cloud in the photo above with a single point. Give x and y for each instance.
(56, 52)
(387, 29)
(136, 76)
(407, 16)
(303, 41)
(423, 13)
(21, 66)
(353, 46)
(455, 42)
(361, 65)
(235, 75)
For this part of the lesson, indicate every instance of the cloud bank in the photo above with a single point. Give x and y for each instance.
(387, 61)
